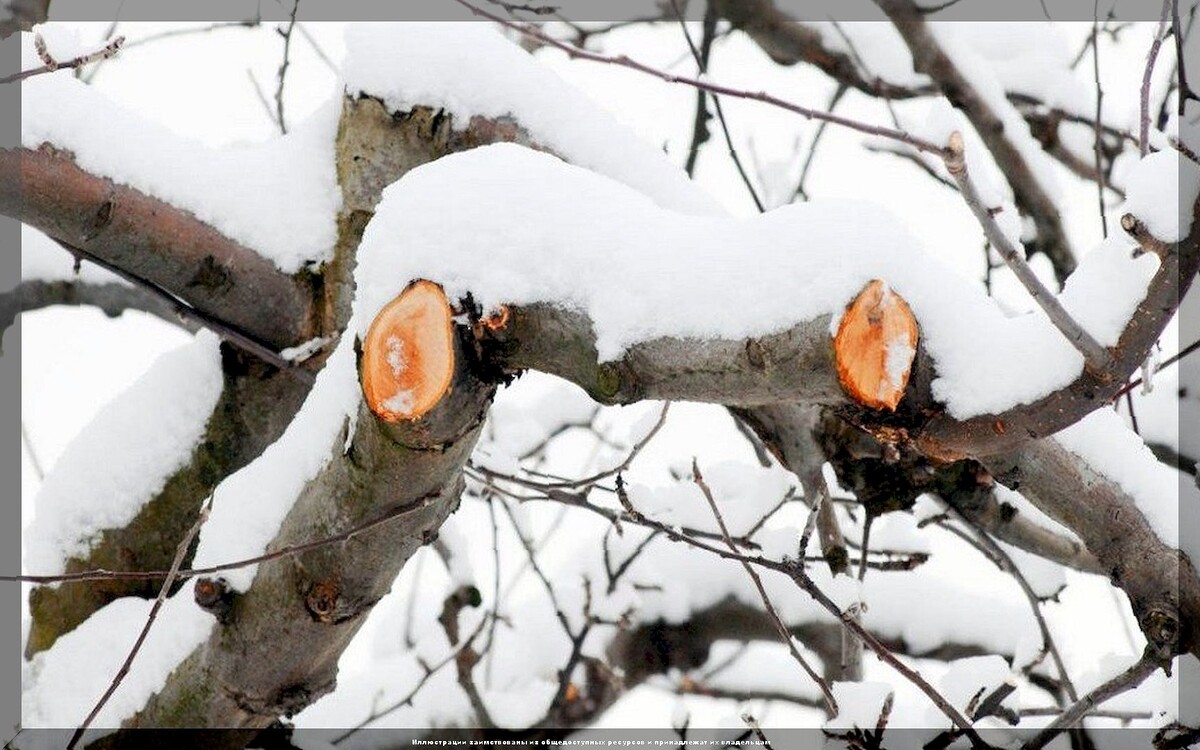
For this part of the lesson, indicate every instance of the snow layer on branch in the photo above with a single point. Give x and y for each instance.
(250, 505)
(515, 226)
(123, 458)
(279, 198)
(60, 686)
(1161, 190)
(1115, 452)
(470, 69)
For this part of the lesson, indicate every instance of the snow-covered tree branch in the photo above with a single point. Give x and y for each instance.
(439, 315)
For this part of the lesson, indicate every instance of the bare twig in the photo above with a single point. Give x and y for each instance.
(1097, 357)
(1004, 561)
(180, 552)
(1192, 347)
(180, 575)
(1185, 91)
(50, 64)
(224, 331)
(286, 33)
(838, 93)
(320, 52)
(831, 705)
(1098, 142)
(33, 456)
(430, 671)
(261, 96)
(795, 571)
(250, 23)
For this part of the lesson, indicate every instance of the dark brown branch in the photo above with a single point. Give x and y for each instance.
(999, 433)
(788, 42)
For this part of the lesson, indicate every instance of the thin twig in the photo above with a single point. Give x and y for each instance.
(261, 96)
(290, 551)
(250, 23)
(430, 671)
(1098, 143)
(1004, 561)
(838, 93)
(831, 705)
(1097, 357)
(180, 552)
(50, 64)
(713, 88)
(795, 571)
(701, 56)
(1123, 682)
(283, 66)
(1144, 120)
(1185, 91)
(321, 54)
(33, 456)
(1162, 366)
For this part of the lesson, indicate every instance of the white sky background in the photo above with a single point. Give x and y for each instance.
(200, 86)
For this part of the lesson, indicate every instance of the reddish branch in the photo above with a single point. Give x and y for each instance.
(153, 240)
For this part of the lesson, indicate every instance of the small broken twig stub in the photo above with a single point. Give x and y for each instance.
(875, 346)
(408, 354)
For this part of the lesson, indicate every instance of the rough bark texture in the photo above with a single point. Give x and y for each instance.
(255, 406)
(794, 364)
(159, 243)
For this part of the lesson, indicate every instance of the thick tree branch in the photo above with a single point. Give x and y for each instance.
(796, 364)
(158, 242)
(999, 433)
